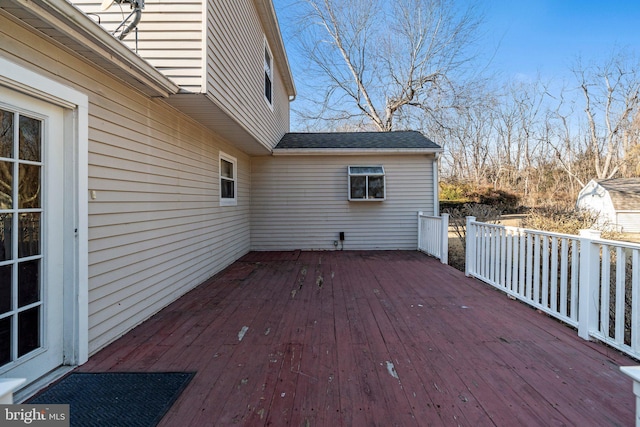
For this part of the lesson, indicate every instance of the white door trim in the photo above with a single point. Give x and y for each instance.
(76, 131)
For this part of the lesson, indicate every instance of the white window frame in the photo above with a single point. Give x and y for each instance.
(268, 72)
(228, 201)
(366, 197)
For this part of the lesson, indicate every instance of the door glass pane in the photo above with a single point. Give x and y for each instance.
(6, 185)
(28, 234)
(29, 188)
(6, 133)
(6, 227)
(5, 341)
(5, 288)
(28, 331)
(28, 282)
(30, 139)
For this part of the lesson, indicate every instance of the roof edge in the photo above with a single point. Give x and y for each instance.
(352, 151)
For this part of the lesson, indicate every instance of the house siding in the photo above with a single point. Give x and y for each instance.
(227, 64)
(156, 229)
(170, 36)
(235, 70)
(300, 202)
(629, 222)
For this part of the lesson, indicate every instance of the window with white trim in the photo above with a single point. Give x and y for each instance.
(367, 183)
(228, 180)
(268, 74)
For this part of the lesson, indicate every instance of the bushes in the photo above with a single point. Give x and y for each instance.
(455, 195)
(567, 221)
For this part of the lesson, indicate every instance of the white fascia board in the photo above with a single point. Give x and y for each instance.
(72, 23)
(352, 152)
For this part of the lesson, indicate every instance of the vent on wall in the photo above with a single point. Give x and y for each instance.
(131, 21)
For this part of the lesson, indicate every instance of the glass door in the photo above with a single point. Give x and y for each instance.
(30, 311)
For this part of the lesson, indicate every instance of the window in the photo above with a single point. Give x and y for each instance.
(268, 74)
(366, 183)
(228, 179)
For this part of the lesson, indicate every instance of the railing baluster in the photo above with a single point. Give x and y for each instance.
(523, 260)
(605, 279)
(554, 274)
(530, 275)
(621, 265)
(545, 270)
(509, 261)
(575, 276)
(564, 263)
(635, 299)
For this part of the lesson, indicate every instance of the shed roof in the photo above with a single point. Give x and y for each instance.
(624, 193)
(398, 141)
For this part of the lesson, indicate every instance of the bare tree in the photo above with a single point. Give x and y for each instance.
(375, 61)
(612, 97)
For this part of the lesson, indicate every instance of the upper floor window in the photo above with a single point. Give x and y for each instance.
(366, 183)
(228, 180)
(268, 74)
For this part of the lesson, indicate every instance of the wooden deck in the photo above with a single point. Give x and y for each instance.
(369, 338)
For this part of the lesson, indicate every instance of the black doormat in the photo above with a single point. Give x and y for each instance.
(116, 398)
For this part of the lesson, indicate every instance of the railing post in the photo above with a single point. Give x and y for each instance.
(419, 230)
(7, 387)
(634, 373)
(444, 238)
(588, 284)
(470, 245)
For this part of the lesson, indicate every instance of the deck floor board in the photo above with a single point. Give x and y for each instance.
(369, 338)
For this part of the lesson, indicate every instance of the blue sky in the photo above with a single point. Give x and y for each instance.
(546, 36)
(538, 36)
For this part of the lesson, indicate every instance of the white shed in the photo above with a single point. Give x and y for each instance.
(617, 201)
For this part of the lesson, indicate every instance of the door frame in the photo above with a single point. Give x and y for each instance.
(75, 105)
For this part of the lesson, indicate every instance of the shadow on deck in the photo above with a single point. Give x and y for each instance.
(369, 338)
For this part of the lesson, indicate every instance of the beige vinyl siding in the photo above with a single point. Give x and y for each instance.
(235, 74)
(628, 222)
(170, 36)
(156, 229)
(300, 202)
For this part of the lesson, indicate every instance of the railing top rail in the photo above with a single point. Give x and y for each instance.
(620, 243)
(627, 245)
(526, 230)
(423, 215)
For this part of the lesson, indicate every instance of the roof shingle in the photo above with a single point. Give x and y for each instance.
(404, 140)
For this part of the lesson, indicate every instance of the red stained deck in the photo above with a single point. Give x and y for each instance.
(369, 338)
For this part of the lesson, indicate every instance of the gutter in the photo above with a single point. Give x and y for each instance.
(352, 151)
(67, 21)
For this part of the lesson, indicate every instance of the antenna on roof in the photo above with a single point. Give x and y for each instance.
(131, 21)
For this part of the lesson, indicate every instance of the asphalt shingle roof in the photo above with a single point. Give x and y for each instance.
(624, 192)
(408, 140)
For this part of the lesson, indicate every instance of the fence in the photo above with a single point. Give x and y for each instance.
(590, 283)
(433, 236)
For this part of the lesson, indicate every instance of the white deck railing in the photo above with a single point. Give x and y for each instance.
(433, 236)
(590, 283)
